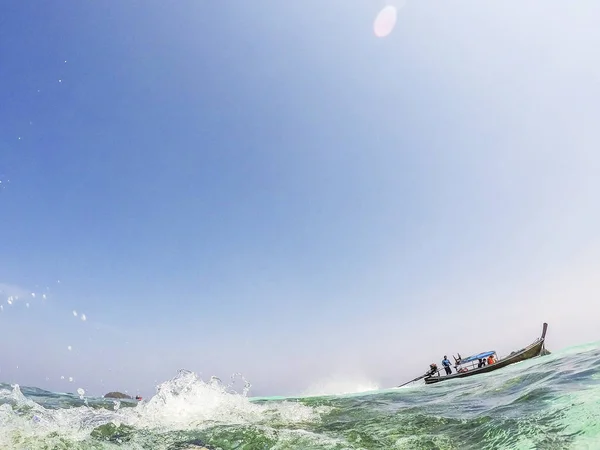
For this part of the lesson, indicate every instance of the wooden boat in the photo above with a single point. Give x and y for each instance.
(466, 367)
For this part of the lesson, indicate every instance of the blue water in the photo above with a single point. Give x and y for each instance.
(550, 402)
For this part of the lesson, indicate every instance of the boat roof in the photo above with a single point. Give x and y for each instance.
(478, 356)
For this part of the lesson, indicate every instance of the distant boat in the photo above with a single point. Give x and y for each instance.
(476, 364)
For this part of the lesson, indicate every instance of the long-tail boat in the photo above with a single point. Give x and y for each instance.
(477, 364)
(481, 362)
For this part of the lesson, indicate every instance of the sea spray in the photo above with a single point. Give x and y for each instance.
(340, 385)
(187, 401)
(180, 405)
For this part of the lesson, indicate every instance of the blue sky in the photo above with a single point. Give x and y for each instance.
(271, 189)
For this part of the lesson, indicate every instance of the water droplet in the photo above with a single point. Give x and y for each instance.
(33, 294)
(10, 300)
(44, 296)
(83, 317)
(70, 379)
(385, 21)
(19, 138)
(60, 81)
(69, 348)
(62, 377)
(27, 305)
(81, 392)
(75, 313)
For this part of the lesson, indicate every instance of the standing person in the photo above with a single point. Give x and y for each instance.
(447, 364)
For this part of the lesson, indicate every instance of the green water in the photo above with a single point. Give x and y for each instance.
(551, 402)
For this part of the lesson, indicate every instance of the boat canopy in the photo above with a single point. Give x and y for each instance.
(476, 357)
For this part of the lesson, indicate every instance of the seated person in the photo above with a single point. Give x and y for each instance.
(432, 369)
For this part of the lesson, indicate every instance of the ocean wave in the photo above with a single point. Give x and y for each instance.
(181, 404)
(547, 402)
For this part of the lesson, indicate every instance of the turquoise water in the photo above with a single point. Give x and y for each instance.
(551, 402)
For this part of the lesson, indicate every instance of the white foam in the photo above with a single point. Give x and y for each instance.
(177, 404)
(341, 386)
(183, 403)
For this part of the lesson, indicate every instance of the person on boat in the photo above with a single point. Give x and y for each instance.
(447, 364)
(491, 360)
(481, 363)
(432, 369)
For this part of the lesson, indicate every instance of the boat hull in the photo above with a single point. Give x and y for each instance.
(531, 351)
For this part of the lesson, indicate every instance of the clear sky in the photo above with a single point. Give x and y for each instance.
(270, 188)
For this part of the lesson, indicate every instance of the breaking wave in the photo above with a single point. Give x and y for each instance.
(181, 404)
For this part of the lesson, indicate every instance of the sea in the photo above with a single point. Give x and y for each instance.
(550, 402)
